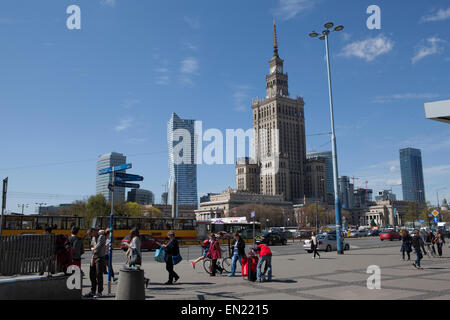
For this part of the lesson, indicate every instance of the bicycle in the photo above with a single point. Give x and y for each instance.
(224, 263)
(430, 252)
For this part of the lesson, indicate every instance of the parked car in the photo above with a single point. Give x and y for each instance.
(374, 233)
(326, 242)
(390, 235)
(147, 243)
(303, 234)
(353, 234)
(363, 233)
(271, 238)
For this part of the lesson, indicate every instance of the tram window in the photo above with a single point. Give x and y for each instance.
(27, 223)
(168, 224)
(57, 223)
(70, 222)
(122, 224)
(188, 224)
(41, 223)
(13, 223)
(146, 224)
(178, 224)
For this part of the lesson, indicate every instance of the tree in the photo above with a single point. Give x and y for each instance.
(153, 212)
(95, 207)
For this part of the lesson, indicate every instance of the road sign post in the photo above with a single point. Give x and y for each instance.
(115, 172)
(252, 215)
(5, 190)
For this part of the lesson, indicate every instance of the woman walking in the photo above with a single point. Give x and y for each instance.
(135, 255)
(439, 242)
(216, 253)
(314, 244)
(238, 252)
(406, 245)
(172, 250)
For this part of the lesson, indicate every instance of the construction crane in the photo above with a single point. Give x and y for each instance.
(354, 178)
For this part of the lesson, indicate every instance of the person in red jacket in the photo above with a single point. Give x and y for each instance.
(214, 252)
(265, 255)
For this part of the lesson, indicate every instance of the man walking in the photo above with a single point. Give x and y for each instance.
(238, 252)
(98, 248)
(314, 245)
(417, 243)
(77, 246)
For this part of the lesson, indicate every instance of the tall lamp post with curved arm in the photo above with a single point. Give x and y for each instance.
(325, 34)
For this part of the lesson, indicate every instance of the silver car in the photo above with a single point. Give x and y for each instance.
(326, 242)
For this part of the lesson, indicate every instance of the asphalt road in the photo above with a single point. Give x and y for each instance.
(190, 253)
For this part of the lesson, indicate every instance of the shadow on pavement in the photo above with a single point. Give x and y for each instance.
(284, 281)
(178, 283)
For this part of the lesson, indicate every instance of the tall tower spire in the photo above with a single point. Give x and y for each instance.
(275, 43)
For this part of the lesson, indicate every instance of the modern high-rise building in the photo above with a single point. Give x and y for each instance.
(346, 192)
(412, 175)
(279, 137)
(141, 196)
(182, 166)
(315, 179)
(327, 155)
(105, 161)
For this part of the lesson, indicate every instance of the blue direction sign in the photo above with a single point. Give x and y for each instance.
(115, 169)
(126, 185)
(122, 177)
(435, 220)
(421, 221)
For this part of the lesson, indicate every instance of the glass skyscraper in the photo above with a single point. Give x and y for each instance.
(105, 161)
(412, 175)
(327, 155)
(184, 173)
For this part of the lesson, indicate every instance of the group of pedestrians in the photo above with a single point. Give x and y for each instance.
(213, 251)
(417, 244)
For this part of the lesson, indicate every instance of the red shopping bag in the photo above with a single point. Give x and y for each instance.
(245, 266)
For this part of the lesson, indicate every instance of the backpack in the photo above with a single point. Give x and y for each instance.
(205, 244)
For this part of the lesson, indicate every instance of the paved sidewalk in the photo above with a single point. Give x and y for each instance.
(299, 277)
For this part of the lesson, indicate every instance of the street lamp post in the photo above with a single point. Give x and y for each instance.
(23, 206)
(337, 204)
(437, 195)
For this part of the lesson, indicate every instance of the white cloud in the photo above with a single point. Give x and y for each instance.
(194, 23)
(241, 98)
(437, 170)
(368, 49)
(189, 65)
(429, 48)
(440, 15)
(124, 124)
(288, 9)
(111, 3)
(405, 96)
(129, 103)
(163, 77)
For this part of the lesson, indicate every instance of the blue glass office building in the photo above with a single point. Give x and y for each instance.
(412, 175)
(184, 173)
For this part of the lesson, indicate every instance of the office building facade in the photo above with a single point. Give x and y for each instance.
(182, 166)
(346, 192)
(105, 161)
(141, 196)
(327, 155)
(412, 175)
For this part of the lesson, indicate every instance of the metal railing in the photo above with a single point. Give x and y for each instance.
(27, 254)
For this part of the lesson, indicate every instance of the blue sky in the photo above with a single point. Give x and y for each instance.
(67, 96)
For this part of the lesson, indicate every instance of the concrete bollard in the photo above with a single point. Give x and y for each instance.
(131, 285)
